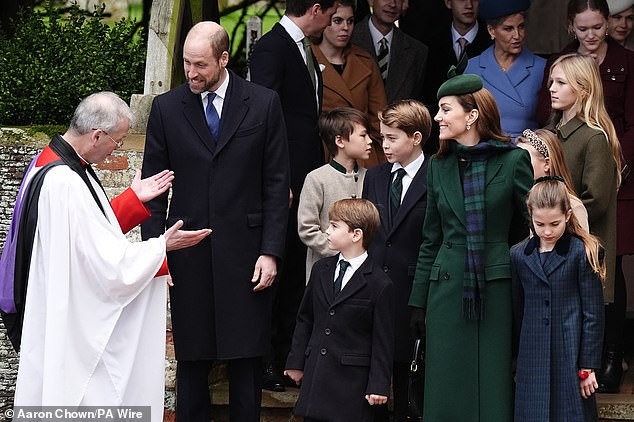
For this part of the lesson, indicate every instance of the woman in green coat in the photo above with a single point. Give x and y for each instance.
(461, 295)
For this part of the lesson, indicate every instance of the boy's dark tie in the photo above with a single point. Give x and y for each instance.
(397, 188)
(343, 266)
(213, 120)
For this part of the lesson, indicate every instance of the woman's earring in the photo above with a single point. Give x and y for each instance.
(468, 126)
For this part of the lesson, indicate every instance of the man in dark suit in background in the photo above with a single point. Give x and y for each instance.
(447, 48)
(225, 139)
(401, 59)
(279, 61)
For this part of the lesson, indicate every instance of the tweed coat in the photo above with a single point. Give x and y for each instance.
(465, 358)
(240, 191)
(560, 305)
(617, 76)
(408, 61)
(515, 91)
(395, 247)
(593, 173)
(359, 86)
(344, 344)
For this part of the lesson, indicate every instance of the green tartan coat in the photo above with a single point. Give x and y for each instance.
(468, 363)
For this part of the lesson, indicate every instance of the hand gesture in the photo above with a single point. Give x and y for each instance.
(153, 186)
(178, 239)
(265, 271)
(295, 374)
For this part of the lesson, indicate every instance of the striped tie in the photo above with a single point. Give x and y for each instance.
(383, 57)
(397, 188)
(462, 42)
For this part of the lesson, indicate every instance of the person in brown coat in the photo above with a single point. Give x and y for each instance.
(350, 75)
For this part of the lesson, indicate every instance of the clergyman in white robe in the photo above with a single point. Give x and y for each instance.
(94, 322)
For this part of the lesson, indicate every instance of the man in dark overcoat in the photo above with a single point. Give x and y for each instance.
(225, 140)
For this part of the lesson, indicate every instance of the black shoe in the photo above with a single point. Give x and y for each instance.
(272, 379)
(609, 377)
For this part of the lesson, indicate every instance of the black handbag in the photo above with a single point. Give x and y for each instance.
(416, 384)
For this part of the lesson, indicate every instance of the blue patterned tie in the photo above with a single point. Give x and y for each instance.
(343, 266)
(213, 120)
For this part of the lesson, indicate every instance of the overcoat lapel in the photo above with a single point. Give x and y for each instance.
(416, 190)
(535, 265)
(452, 187)
(336, 82)
(494, 165)
(356, 283)
(327, 278)
(233, 111)
(383, 192)
(297, 56)
(194, 114)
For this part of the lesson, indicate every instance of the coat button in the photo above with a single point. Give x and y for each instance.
(547, 302)
(448, 244)
(327, 331)
(445, 276)
(388, 244)
(386, 269)
(546, 321)
(323, 352)
(331, 312)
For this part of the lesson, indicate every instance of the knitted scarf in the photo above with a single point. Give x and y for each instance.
(473, 186)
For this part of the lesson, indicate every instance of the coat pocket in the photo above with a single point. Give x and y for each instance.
(254, 219)
(355, 360)
(494, 272)
(434, 273)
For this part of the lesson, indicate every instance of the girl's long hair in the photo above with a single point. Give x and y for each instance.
(554, 194)
(582, 73)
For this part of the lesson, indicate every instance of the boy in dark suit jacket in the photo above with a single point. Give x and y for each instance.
(344, 336)
(398, 188)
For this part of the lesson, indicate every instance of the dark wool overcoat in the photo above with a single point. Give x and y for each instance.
(560, 304)
(395, 247)
(240, 191)
(343, 343)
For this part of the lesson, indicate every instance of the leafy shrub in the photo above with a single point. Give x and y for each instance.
(54, 60)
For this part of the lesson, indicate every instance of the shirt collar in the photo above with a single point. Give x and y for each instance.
(469, 36)
(293, 30)
(341, 168)
(356, 262)
(222, 89)
(412, 168)
(377, 36)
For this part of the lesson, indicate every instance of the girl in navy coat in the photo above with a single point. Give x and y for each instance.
(558, 293)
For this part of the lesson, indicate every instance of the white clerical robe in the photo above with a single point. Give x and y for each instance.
(94, 323)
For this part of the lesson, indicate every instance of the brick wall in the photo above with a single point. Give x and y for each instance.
(16, 151)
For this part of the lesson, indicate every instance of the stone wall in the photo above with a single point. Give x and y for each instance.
(16, 151)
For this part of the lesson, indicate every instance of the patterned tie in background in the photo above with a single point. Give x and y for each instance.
(310, 63)
(213, 120)
(383, 57)
(463, 45)
(397, 188)
(343, 266)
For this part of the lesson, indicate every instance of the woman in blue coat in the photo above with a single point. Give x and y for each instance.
(558, 297)
(511, 72)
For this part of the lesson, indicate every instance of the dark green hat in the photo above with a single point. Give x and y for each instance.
(459, 84)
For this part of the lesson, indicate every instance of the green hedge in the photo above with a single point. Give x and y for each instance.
(54, 60)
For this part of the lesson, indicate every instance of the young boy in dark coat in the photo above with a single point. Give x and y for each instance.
(343, 343)
(405, 126)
